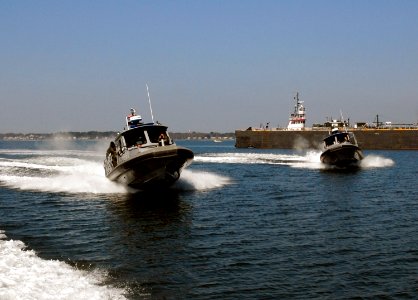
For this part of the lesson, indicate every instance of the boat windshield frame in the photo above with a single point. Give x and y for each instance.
(146, 135)
(337, 138)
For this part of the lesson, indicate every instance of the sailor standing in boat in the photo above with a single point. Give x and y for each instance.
(112, 151)
(162, 139)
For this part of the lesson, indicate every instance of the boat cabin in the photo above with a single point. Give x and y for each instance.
(134, 141)
(142, 136)
(339, 137)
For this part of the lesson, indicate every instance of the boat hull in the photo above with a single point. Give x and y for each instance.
(158, 167)
(342, 155)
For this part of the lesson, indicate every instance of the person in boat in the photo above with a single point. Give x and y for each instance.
(139, 142)
(112, 151)
(162, 139)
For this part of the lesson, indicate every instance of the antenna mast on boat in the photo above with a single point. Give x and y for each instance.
(342, 119)
(150, 107)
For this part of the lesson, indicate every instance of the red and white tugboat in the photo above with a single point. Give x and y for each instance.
(297, 118)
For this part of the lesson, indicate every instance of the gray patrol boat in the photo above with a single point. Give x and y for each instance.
(341, 149)
(144, 156)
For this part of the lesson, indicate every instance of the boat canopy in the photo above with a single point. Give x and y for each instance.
(138, 136)
(339, 137)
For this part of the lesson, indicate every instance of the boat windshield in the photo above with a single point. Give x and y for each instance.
(138, 136)
(157, 133)
(336, 138)
(135, 137)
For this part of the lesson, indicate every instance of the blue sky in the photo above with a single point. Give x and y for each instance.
(210, 65)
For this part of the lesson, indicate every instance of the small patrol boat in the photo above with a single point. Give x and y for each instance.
(143, 156)
(341, 149)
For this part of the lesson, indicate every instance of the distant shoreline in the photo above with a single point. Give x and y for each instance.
(107, 135)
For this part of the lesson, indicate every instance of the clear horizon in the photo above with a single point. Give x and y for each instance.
(210, 65)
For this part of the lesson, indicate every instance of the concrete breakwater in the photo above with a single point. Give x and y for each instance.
(376, 139)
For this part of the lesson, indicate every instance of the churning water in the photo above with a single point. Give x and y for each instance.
(240, 223)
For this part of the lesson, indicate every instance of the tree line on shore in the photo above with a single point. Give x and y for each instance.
(107, 135)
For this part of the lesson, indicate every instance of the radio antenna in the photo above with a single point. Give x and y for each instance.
(150, 107)
(342, 118)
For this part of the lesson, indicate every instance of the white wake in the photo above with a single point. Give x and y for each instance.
(69, 174)
(374, 161)
(26, 276)
(307, 160)
(200, 180)
(61, 174)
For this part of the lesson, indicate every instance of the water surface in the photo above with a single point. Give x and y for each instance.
(240, 224)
